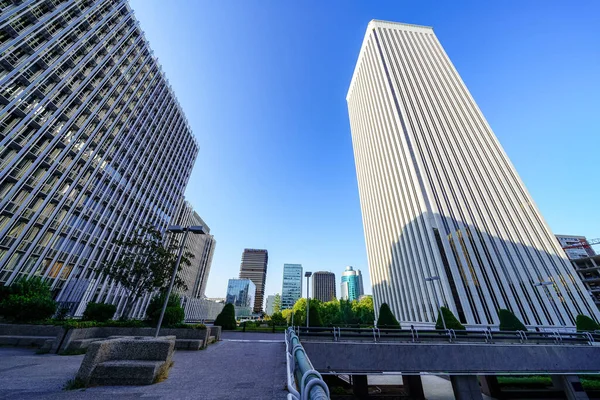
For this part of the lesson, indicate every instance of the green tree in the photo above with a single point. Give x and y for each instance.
(364, 310)
(299, 311)
(314, 313)
(277, 319)
(330, 313)
(347, 315)
(287, 315)
(386, 318)
(145, 264)
(586, 324)
(277, 303)
(226, 318)
(451, 321)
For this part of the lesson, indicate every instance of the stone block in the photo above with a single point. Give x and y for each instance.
(126, 372)
(188, 344)
(215, 331)
(139, 349)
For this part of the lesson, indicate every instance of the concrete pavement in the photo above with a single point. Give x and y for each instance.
(242, 366)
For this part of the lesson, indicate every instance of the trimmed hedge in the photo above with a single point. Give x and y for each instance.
(509, 321)
(586, 324)
(451, 321)
(99, 312)
(387, 318)
(226, 318)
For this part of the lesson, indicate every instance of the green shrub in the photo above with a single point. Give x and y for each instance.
(451, 321)
(21, 308)
(509, 321)
(28, 300)
(99, 312)
(32, 287)
(387, 318)
(174, 314)
(586, 324)
(226, 318)
(277, 319)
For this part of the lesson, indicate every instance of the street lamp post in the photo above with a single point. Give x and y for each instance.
(176, 229)
(432, 279)
(544, 284)
(307, 274)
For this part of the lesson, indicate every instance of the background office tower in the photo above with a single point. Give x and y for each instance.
(202, 247)
(254, 267)
(352, 284)
(439, 196)
(269, 305)
(291, 289)
(241, 293)
(323, 286)
(575, 246)
(93, 144)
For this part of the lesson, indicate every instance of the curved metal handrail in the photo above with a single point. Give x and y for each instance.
(303, 381)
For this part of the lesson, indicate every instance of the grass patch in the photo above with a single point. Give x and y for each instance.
(589, 382)
(72, 352)
(534, 381)
(74, 384)
(164, 373)
(42, 351)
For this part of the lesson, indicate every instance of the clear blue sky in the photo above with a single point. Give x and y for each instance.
(263, 84)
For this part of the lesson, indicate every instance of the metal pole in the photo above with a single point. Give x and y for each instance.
(162, 313)
(307, 300)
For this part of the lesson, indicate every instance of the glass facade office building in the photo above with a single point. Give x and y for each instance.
(440, 197)
(291, 289)
(352, 284)
(242, 294)
(254, 267)
(93, 143)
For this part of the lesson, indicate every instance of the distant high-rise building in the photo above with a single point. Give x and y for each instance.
(254, 267)
(291, 290)
(577, 246)
(93, 145)
(241, 293)
(323, 286)
(352, 284)
(440, 197)
(270, 304)
(202, 247)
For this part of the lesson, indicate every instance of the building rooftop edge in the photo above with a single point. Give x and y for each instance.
(375, 23)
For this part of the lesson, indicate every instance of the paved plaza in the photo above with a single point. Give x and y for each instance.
(241, 366)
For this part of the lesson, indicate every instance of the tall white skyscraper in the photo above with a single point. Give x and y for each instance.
(439, 196)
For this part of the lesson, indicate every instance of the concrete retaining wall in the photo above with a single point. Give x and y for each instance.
(81, 338)
(48, 337)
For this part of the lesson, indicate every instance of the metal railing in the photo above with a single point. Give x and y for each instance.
(303, 382)
(449, 335)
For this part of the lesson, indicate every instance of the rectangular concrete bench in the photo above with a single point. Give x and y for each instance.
(26, 341)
